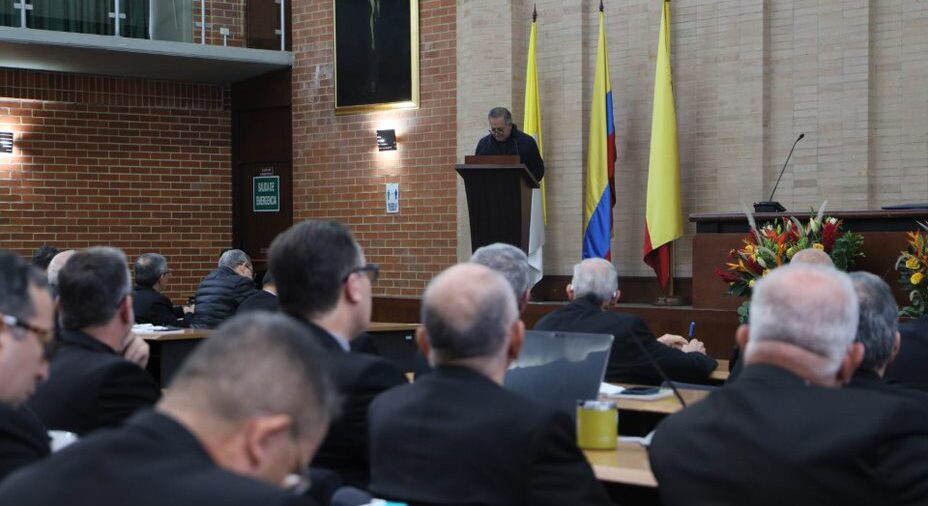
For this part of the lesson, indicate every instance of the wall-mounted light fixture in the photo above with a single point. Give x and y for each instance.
(6, 142)
(386, 140)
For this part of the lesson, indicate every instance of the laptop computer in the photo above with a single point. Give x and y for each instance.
(560, 368)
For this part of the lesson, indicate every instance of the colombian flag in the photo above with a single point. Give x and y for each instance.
(600, 162)
(664, 216)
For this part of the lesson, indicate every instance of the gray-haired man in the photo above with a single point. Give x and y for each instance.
(223, 289)
(784, 433)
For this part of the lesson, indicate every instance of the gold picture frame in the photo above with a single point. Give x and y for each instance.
(371, 60)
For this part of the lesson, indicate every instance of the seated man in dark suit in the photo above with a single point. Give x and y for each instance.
(877, 331)
(592, 290)
(264, 299)
(908, 369)
(91, 384)
(223, 289)
(25, 333)
(324, 282)
(456, 437)
(244, 410)
(784, 433)
(148, 303)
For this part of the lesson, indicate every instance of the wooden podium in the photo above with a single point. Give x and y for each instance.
(499, 199)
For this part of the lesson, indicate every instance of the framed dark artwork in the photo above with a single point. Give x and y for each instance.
(376, 55)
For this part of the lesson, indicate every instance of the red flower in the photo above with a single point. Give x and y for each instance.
(829, 235)
(726, 276)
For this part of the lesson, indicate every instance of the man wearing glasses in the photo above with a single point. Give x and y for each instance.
(91, 384)
(222, 290)
(324, 282)
(241, 421)
(25, 334)
(505, 138)
(148, 302)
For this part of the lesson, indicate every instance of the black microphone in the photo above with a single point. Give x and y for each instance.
(770, 205)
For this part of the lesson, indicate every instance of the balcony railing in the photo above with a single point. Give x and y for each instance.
(258, 24)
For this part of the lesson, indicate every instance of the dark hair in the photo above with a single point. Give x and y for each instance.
(90, 287)
(500, 112)
(149, 268)
(43, 255)
(15, 277)
(310, 261)
(260, 362)
(268, 278)
(878, 321)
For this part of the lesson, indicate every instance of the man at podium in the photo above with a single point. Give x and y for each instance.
(506, 139)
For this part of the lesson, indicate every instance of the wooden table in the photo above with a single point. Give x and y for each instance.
(169, 349)
(394, 341)
(665, 405)
(720, 373)
(626, 464)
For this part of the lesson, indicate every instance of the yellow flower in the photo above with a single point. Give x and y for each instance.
(749, 249)
(753, 282)
(766, 271)
(818, 245)
(911, 263)
(915, 279)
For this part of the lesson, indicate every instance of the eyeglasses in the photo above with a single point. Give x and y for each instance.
(371, 270)
(46, 336)
(498, 130)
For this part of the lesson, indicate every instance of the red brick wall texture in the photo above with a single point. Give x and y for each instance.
(140, 165)
(338, 173)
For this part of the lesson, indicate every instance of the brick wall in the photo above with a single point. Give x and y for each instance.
(140, 165)
(338, 172)
(221, 14)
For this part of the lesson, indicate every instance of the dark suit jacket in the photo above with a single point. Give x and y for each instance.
(23, 439)
(90, 386)
(870, 380)
(359, 378)
(151, 461)
(909, 368)
(626, 362)
(455, 437)
(259, 301)
(771, 438)
(152, 306)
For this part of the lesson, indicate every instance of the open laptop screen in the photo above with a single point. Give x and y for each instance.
(560, 368)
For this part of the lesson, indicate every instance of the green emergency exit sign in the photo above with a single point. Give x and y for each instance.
(266, 194)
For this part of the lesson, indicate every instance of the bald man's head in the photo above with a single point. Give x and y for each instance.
(468, 311)
(812, 256)
(57, 262)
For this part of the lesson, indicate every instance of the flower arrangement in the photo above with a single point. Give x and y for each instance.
(775, 243)
(912, 266)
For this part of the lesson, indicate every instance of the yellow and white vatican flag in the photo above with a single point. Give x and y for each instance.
(531, 125)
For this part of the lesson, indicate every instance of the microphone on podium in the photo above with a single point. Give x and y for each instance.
(770, 205)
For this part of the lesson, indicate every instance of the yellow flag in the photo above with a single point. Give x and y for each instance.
(664, 215)
(532, 120)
